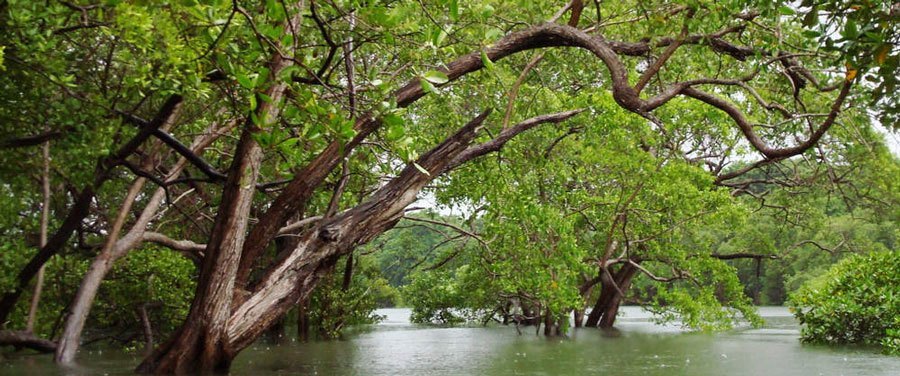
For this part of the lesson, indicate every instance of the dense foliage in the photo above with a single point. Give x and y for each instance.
(855, 301)
(600, 153)
(157, 281)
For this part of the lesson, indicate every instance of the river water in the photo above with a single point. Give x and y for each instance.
(396, 347)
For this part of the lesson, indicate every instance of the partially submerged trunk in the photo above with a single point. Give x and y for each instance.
(303, 320)
(578, 317)
(84, 298)
(201, 345)
(218, 327)
(603, 314)
(144, 316)
(23, 339)
(552, 324)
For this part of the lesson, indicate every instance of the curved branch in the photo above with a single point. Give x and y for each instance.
(742, 255)
(747, 128)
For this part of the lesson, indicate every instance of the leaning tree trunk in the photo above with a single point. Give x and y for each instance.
(117, 248)
(81, 206)
(215, 331)
(71, 337)
(225, 317)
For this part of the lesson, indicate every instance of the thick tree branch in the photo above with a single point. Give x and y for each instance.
(25, 339)
(191, 247)
(741, 255)
(30, 140)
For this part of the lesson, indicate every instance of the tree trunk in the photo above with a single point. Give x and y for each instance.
(578, 317)
(84, 298)
(201, 346)
(348, 273)
(551, 324)
(45, 220)
(275, 334)
(148, 329)
(303, 321)
(606, 308)
(27, 340)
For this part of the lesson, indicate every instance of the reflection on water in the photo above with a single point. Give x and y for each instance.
(396, 347)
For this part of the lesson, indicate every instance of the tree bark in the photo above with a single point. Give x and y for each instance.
(115, 248)
(201, 345)
(578, 317)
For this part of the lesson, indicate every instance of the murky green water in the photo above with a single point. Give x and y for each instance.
(396, 347)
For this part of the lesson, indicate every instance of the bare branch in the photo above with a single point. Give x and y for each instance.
(450, 225)
(507, 134)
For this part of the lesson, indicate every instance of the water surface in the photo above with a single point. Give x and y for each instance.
(639, 347)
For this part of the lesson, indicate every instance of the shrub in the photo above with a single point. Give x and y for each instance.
(856, 301)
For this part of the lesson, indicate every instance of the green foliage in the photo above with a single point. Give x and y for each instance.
(335, 307)
(448, 297)
(554, 203)
(160, 280)
(865, 36)
(856, 301)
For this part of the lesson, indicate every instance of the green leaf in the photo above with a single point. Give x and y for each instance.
(487, 11)
(245, 81)
(421, 169)
(436, 77)
(438, 37)
(493, 34)
(287, 74)
(850, 30)
(253, 103)
(488, 64)
(454, 10)
(811, 33)
(786, 10)
(395, 129)
(262, 76)
(427, 86)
